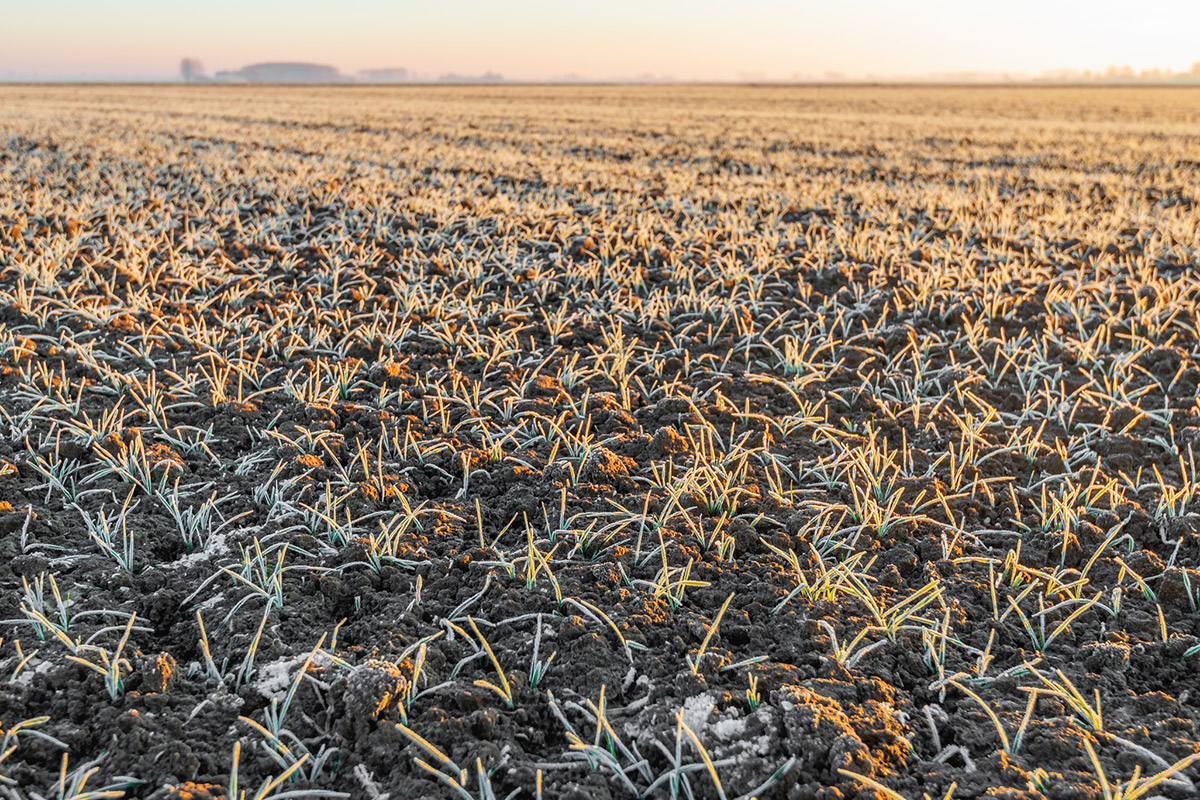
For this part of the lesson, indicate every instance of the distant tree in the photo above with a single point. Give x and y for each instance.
(191, 70)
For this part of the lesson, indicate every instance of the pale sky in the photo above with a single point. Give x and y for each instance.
(540, 39)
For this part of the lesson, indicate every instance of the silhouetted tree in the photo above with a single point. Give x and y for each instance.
(191, 70)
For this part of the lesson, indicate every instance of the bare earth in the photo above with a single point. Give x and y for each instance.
(589, 442)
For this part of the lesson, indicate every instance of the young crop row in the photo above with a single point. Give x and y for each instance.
(708, 444)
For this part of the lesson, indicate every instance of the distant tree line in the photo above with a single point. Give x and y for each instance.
(192, 71)
(1122, 74)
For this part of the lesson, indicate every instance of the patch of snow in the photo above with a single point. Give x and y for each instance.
(724, 730)
(696, 711)
(25, 676)
(272, 680)
(728, 726)
(217, 545)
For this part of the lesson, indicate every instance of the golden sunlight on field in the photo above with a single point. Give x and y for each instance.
(589, 442)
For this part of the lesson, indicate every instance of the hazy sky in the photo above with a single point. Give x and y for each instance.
(691, 39)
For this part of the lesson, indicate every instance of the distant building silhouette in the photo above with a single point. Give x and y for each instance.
(191, 70)
(487, 77)
(388, 75)
(283, 72)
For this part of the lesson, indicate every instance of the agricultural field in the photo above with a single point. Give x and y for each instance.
(599, 442)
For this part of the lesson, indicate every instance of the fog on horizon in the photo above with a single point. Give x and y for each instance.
(541, 40)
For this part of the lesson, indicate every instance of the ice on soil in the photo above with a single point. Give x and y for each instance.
(723, 732)
(272, 680)
(26, 675)
(217, 545)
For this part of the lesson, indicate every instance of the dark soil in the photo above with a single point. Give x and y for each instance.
(433, 385)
